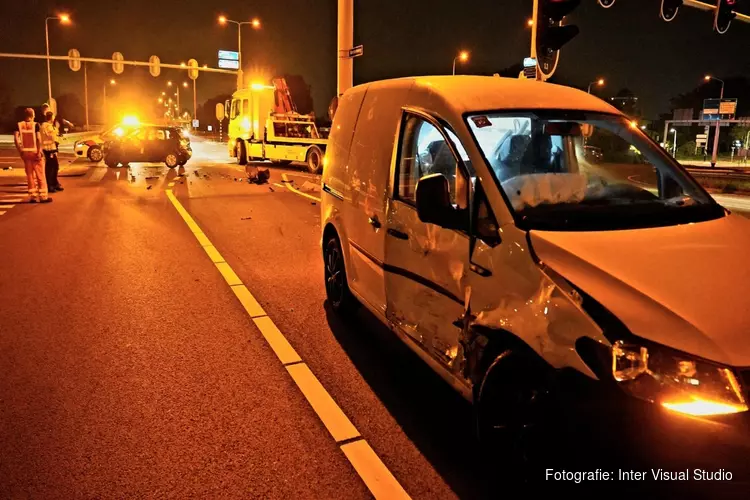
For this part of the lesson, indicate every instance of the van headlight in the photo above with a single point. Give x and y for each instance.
(676, 380)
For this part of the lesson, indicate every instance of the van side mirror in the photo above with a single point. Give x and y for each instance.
(434, 203)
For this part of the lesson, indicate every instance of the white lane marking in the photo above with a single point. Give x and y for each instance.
(376, 476)
(5, 207)
(297, 191)
(2, 213)
(373, 472)
(11, 200)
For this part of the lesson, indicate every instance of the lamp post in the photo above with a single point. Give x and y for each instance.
(255, 23)
(104, 102)
(674, 147)
(462, 56)
(64, 19)
(715, 152)
(599, 83)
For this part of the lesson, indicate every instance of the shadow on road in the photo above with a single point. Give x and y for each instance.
(436, 419)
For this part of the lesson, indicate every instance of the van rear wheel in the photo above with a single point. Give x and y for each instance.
(337, 289)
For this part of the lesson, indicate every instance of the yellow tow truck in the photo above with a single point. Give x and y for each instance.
(264, 125)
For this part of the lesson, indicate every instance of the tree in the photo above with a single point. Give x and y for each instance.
(739, 134)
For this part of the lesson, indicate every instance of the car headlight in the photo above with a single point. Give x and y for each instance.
(676, 380)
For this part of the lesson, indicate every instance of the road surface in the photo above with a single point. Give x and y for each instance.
(165, 333)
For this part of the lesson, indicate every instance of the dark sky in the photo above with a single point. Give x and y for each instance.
(628, 45)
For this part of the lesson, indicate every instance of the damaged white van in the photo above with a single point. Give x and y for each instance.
(511, 231)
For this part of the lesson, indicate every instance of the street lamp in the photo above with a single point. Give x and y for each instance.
(255, 23)
(530, 23)
(715, 152)
(674, 148)
(112, 83)
(64, 19)
(598, 83)
(462, 56)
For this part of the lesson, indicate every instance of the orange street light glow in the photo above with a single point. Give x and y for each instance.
(169, 83)
(600, 82)
(222, 20)
(112, 81)
(707, 77)
(530, 22)
(184, 84)
(463, 56)
(64, 18)
(256, 23)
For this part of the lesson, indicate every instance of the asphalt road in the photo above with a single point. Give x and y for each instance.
(130, 369)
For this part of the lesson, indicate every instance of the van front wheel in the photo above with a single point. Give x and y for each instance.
(337, 290)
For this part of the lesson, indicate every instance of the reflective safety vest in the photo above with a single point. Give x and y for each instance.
(27, 133)
(49, 136)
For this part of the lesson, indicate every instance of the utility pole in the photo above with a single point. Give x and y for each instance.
(86, 93)
(195, 102)
(345, 66)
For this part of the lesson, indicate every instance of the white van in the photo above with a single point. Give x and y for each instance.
(468, 214)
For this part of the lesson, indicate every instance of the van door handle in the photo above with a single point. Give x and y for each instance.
(374, 222)
(398, 234)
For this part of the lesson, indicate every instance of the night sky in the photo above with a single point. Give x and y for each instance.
(628, 45)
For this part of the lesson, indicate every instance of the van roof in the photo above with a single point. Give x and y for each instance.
(483, 93)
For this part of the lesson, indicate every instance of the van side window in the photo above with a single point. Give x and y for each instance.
(245, 107)
(233, 113)
(424, 151)
(486, 227)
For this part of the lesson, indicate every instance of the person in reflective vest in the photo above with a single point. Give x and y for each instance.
(50, 140)
(29, 144)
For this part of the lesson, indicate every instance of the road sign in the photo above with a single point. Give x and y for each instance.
(229, 64)
(529, 68)
(154, 66)
(219, 111)
(229, 55)
(117, 66)
(353, 52)
(75, 59)
(719, 109)
(196, 123)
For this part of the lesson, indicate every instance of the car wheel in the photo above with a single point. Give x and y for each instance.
(95, 154)
(315, 160)
(171, 160)
(514, 411)
(240, 152)
(337, 289)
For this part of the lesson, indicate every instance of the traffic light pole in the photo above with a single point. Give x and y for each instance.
(715, 152)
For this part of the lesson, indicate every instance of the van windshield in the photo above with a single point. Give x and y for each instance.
(576, 171)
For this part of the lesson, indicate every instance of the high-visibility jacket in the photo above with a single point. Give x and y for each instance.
(27, 139)
(49, 136)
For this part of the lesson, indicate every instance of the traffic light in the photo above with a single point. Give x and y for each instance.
(669, 9)
(724, 15)
(551, 35)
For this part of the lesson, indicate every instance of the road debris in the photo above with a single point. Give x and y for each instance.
(151, 177)
(271, 189)
(257, 175)
(7, 168)
(313, 203)
(246, 218)
(149, 187)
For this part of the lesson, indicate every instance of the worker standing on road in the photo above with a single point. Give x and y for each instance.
(29, 144)
(50, 142)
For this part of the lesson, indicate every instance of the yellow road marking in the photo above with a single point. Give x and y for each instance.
(376, 476)
(254, 310)
(171, 184)
(280, 345)
(213, 254)
(373, 471)
(229, 276)
(203, 239)
(297, 191)
(2, 213)
(278, 185)
(338, 424)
